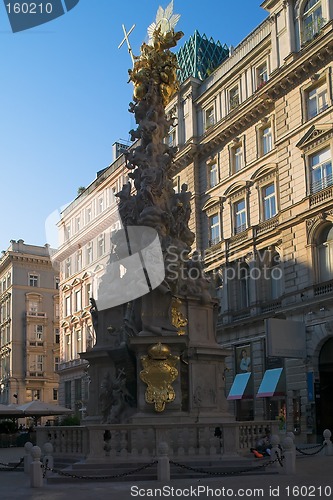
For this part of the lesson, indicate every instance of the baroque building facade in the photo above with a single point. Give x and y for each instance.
(84, 248)
(29, 325)
(255, 147)
(255, 143)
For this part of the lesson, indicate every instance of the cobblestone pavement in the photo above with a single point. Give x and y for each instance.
(313, 479)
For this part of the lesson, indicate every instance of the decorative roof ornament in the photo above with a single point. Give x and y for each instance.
(166, 21)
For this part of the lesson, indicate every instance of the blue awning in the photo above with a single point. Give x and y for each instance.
(269, 383)
(239, 385)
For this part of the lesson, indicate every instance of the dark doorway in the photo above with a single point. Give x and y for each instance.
(324, 404)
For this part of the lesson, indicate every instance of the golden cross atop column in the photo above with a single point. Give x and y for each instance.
(126, 39)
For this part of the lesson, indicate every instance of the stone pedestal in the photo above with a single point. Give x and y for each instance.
(200, 385)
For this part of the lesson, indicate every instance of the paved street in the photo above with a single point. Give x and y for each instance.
(314, 474)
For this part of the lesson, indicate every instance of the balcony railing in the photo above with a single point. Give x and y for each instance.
(240, 228)
(35, 374)
(36, 314)
(323, 288)
(322, 183)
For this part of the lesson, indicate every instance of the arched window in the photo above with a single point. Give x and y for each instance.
(312, 20)
(325, 254)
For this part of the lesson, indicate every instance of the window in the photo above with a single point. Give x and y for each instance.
(38, 362)
(33, 307)
(214, 224)
(33, 280)
(100, 205)
(209, 117)
(56, 310)
(234, 98)
(88, 293)
(39, 332)
(78, 261)
(68, 267)
(238, 157)
(78, 302)
(243, 299)
(56, 336)
(77, 224)
(176, 184)
(55, 391)
(172, 137)
(269, 201)
(78, 342)
(89, 253)
(321, 170)
(68, 231)
(325, 254)
(236, 154)
(213, 175)
(57, 283)
(88, 214)
(100, 245)
(267, 144)
(68, 350)
(312, 20)
(275, 278)
(316, 100)
(113, 192)
(261, 75)
(68, 305)
(68, 393)
(240, 216)
(9, 280)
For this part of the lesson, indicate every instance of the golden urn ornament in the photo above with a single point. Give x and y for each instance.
(159, 371)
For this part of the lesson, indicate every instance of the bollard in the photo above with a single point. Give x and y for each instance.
(36, 469)
(27, 457)
(292, 436)
(48, 460)
(275, 450)
(289, 462)
(163, 466)
(328, 449)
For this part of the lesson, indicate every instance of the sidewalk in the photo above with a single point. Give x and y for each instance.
(314, 474)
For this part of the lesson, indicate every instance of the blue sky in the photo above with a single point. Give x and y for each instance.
(64, 98)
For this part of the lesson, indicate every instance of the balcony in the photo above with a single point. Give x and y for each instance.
(73, 363)
(35, 374)
(323, 288)
(36, 314)
(36, 344)
(324, 182)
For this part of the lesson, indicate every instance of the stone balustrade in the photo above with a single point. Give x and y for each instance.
(141, 441)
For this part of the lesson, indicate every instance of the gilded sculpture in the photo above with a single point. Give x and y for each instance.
(159, 371)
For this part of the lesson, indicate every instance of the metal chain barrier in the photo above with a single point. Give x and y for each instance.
(45, 467)
(8, 467)
(234, 473)
(322, 446)
(98, 478)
